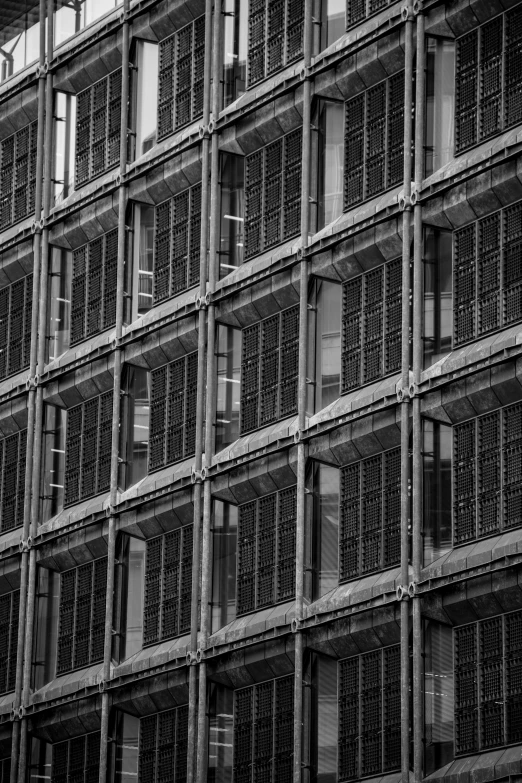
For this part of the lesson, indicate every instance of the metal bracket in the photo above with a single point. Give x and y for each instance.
(205, 130)
(198, 476)
(412, 589)
(407, 202)
(25, 544)
(192, 658)
(17, 713)
(406, 13)
(31, 383)
(202, 302)
(42, 70)
(402, 593)
(102, 686)
(295, 625)
(405, 394)
(37, 226)
(418, 7)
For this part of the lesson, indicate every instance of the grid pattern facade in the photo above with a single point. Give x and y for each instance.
(12, 483)
(369, 691)
(163, 747)
(76, 760)
(173, 412)
(180, 98)
(370, 515)
(269, 366)
(487, 474)
(488, 274)
(18, 175)
(275, 36)
(488, 70)
(371, 325)
(98, 122)
(82, 615)
(88, 448)
(358, 10)
(16, 306)
(273, 193)
(263, 732)
(9, 605)
(177, 244)
(168, 585)
(488, 683)
(374, 141)
(93, 305)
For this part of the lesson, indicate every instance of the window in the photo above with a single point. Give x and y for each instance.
(369, 713)
(9, 604)
(181, 66)
(266, 551)
(93, 305)
(273, 194)
(135, 428)
(70, 19)
(19, 39)
(487, 474)
(64, 151)
(98, 121)
(438, 695)
(168, 585)
(264, 731)
(142, 270)
(146, 96)
(370, 518)
(322, 536)
(333, 23)
(177, 244)
(224, 557)
(269, 365)
(54, 461)
(18, 175)
(324, 359)
(76, 760)
(163, 746)
(232, 180)
(88, 449)
(12, 471)
(438, 294)
(358, 10)
(130, 588)
(374, 141)
(488, 702)
(275, 36)
(329, 121)
(82, 616)
(235, 41)
(47, 612)
(16, 305)
(487, 79)
(126, 747)
(5, 770)
(59, 303)
(228, 385)
(173, 412)
(371, 325)
(440, 103)
(436, 458)
(488, 274)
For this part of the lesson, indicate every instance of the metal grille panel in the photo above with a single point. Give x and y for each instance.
(358, 10)
(15, 326)
(18, 175)
(163, 746)
(177, 244)
(76, 760)
(275, 36)
(9, 606)
(98, 121)
(93, 306)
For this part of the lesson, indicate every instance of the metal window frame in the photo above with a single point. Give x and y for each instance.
(282, 36)
(160, 752)
(9, 464)
(11, 644)
(93, 287)
(15, 177)
(364, 10)
(86, 772)
(109, 140)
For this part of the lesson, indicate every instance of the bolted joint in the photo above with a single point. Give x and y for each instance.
(404, 394)
(402, 593)
(407, 202)
(205, 131)
(198, 476)
(25, 544)
(199, 655)
(17, 713)
(31, 383)
(418, 7)
(304, 74)
(102, 686)
(296, 625)
(192, 658)
(406, 13)
(412, 589)
(202, 302)
(42, 70)
(37, 226)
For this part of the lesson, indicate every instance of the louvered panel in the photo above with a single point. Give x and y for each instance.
(166, 87)
(20, 478)
(286, 533)
(490, 116)
(158, 414)
(9, 608)
(176, 410)
(147, 749)
(395, 131)
(269, 379)
(253, 203)
(198, 68)
(392, 708)
(89, 452)
(464, 482)
(16, 327)
(163, 747)
(243, 733)
(393, 317)
(246, 555)
(275, 43)
(371, 514)
(73, 446)
(464, 284)
(355, 11)
(162, 251)
(512, 476)
(184, 75)
(512, 263)
(266, 551)
(292, 184)
(263, 731)
(76, 760)
(392, 508)
(283, 729)
(98, 122)
(83, 135)
(166, 745)
(92, 758)
(99, 593)
(10, 482)
(5, 295)
(466, 696)
(103, 478)
(79, 294)
(348, 694)
(13, 639)
(373, 318)
(110, 270)
(354, 151)
(66, 621)
(195, 235)
(83, 616)
(349, 533)
(289, 361)
(250, 366)
(7, 151)
(488, 274)
(28, 312)
(256, 42)
(171, 585)
(513, 68)
(375, 152)
(152, 600)
(272, 194)
(94, 287)
(466, 91)
(488, 478)
(295, 28)
(351, 335)
(181, 745)
(185, 589)
(114, 118)
(60, 762)
(180, 241)
(371, 712)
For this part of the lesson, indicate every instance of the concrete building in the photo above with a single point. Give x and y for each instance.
(260, 391)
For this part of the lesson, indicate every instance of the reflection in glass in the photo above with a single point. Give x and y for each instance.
(136, 428)
(224, 542)
(46, 634)
(59, 303)
(437, 439)
(147, 97)
(438, 696)
(40, 765)
(228, 385)
(19, 37)
(64, 142)
(220, 734)
(330, 160)
(324, 355)
(325, 554)
(440, 103)
(54, 461)
(143, 260)
(232, 213)
(133, 559)
(71, 16)
(235, 42)
(324, 722)
(127, 732)
(333, 23)
(438, 296)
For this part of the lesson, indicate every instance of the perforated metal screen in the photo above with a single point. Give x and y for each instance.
(93, 306)
(163, 746)
(487, 474)
(488, 683)
(181, 66)
(18, 175)
(12, 480)
(275, 36)
(76, 760)
(16, 302)
(263, 732)
(177, 244)
(9, 605)
(98, 122)
(358, 10)
(369, 690)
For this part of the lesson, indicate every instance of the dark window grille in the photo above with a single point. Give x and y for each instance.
(9, 606)
(372, 325)
(488, 96)
(163, 746)
(12, 481)
(177, 244)
(374, 141)
(370, 515)
(273, 193)
(181, 66)
(82, 615)
(487, 474)
(369, 690)
(269, 368)
(98, 122)
(275, 36)
(93, 307)
(358, 10)
(76, 760)
(488, 683)
(168, 586)
(88, 449)
(5, 770)
(266, 551)
(263, 732)
(18, 175)
(173, 412)
(16, 305)
(488, 274)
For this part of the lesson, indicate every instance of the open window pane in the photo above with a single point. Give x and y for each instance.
(64, 145)
(228, 385)
(440, 103)
(330, 124)
(224, 543)
(438, 295)
(437, 489)
(137, 412)
(133, 557)
(59, 303)
(232, 213)
(235, 38)
(147, 97)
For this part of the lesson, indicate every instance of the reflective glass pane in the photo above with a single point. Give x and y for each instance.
(325, 718)
(220, 734)
(147, 97)
(64, 145)
(228, 385)
(438, 295)
(438, 696)
(59, 303)
(333, 22)
(440, 103)
(437, 490)
(132, 595)
(328, 343)
(46, 635)
(126, 747)
(224, 538)
(235, 42)
(232, 213)
(326, 529)
(331, 162)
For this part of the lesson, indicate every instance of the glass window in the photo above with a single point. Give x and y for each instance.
(437, 440)
(146, 97)
(59, 306)
(54, 461)
(221, 734)
(143, 261)
(325, 721)
(235, 39)
(325, 537)
(133, 579)
(325, 345)
(228, 385)
(333, 22)
(46, 637)
(40, 762)
(438, 295)
(440, 103)
(330, 160)
(127, 731)
(232, 213)
(19, 37)
(438, 696)
(71, 17)
(64, 142)
(224, 543)
(136, 428)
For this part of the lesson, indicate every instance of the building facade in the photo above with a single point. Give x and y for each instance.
(260, 391)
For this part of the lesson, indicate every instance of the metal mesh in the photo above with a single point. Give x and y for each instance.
(15, 326)
(93, 306)
(177, 244)
(12, 481)
(98, 123)
(17, 175)
(275, 36)
(9, 606)
(163, 746)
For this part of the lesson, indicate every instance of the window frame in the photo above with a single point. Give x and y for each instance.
(93, 287)
(11, 648)
(18, 175)
(12, 464)
(159, 753)
(107, 144)
(262, 43)
(88, 760)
